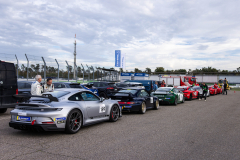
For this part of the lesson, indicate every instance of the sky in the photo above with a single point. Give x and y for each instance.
(174, 34)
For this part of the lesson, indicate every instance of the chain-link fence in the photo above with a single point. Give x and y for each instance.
(28, 66)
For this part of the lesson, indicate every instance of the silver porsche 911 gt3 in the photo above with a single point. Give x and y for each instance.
(63, 110)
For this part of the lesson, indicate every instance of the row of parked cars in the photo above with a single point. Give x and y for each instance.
(73, 105)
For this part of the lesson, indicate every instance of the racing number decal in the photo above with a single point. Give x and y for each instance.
(151, 99)
(180, 97)
(102, 108)
(195, 93)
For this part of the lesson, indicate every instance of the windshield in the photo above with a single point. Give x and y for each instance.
(193, 79)
(163, 89)
(121, 85)
(133, 91)
(112, 84)
(57, 94)
(75, 86)
(220, 81)
(196, 87)
(181, 89)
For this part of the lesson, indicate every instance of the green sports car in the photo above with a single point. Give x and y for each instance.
(169, 95)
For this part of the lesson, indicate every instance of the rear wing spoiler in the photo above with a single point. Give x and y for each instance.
(26, 97)
(122, 96)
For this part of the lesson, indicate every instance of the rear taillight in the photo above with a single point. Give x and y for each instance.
(110, 88)
(47, 122)
(16, 91)
(126, 102)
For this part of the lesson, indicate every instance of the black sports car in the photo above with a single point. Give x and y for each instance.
(135, 99)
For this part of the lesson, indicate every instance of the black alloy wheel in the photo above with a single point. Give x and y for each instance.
(74, 121)
(3, 110)
(176, 100)
(183, 100)
(114, 114)
(190, 97)
(102, 94)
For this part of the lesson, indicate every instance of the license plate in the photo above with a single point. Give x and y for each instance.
(22, 118)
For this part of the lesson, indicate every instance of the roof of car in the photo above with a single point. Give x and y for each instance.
(72, 90)
(68, 82)
(135, 88)
(166, 87)
(182, 86)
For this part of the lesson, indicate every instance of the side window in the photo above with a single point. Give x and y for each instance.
(20, 85)
(101, 85)
(144, 93)
(27, 85)
(87, 96)
(75, 97)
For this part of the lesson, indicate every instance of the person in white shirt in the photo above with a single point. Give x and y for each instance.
(48, 87)
(36, 88)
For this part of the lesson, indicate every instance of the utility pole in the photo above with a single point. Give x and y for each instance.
(75, 53)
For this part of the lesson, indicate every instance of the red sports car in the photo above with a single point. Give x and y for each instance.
(189, 93)
(219, 90)
(212, 90)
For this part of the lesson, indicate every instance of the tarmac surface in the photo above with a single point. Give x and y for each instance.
(192, 130)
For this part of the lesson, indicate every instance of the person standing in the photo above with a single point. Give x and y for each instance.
(36, 88)
(205, 91)
(155, 86)
(225, 88)
(48, 87)
(163, 84)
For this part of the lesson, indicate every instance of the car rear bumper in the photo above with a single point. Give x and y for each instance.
(35, 127)
(130, 108)
(166, 101)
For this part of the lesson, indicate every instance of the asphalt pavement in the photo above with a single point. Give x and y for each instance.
(189, 131)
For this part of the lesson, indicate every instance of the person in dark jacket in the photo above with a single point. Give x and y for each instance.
(205, 91)
(224, 88)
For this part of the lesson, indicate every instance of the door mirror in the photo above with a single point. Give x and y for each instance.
(102, 99)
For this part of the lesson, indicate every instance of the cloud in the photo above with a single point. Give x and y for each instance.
(172, 34)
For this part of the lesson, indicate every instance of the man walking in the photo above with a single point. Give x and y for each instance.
(205, 91)
(224, 87)
(49, 87)
(36, 88)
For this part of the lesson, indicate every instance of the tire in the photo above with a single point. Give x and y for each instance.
(3, 110)
(198, 96)
(102, 94)
(175, 101)
(190, 97)
(114, 114)
(156, 105)
(74, 122)
(143, 108)
(183, 100)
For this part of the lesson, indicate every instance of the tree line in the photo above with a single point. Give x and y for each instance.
(203, 70)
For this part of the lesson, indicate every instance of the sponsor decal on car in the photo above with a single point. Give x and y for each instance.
(102, 108)
(21, 118)
(60, 119)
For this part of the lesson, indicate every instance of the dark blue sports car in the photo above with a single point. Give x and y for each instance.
(135, 99)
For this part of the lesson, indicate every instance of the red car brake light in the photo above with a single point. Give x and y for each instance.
(126, 102)
(110, 88)
(47, 122)
(16, 91)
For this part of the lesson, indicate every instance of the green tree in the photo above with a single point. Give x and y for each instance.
(148, 70)
(136, 70)
(159, 69)
(120, 70)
